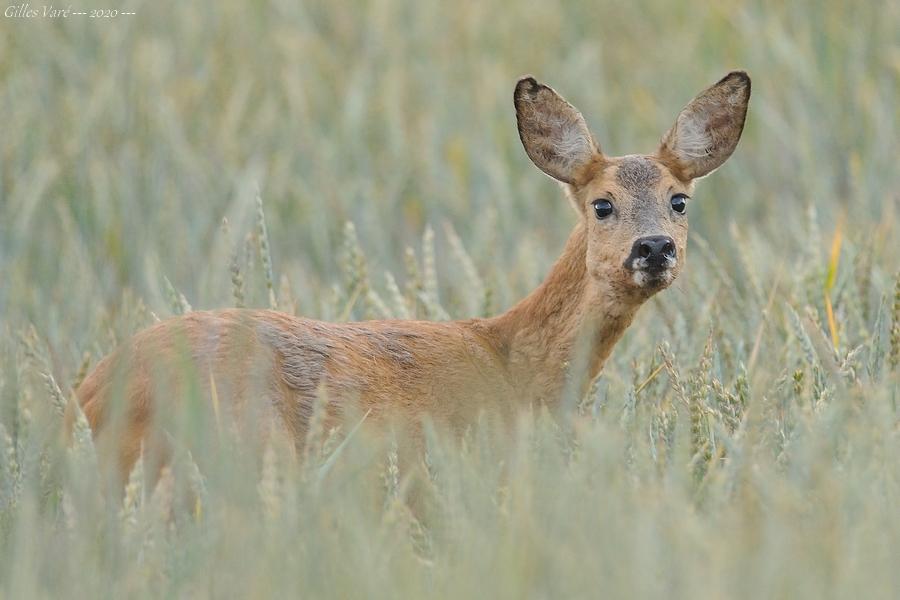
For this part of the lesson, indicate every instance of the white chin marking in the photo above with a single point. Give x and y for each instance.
(640, 278)
(643, 279)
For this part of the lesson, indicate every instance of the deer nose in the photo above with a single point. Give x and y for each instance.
(655, 249)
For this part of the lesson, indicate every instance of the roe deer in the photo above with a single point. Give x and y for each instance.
(629, 243)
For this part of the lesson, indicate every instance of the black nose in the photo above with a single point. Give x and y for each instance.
(655, 249)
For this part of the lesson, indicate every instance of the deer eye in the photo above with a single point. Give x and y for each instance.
(602, 208)
(679, 203)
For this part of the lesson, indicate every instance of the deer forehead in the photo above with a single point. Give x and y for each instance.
(638, 175)
(633, 178)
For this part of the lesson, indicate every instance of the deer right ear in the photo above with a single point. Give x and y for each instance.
(707, 130)
(553, 132)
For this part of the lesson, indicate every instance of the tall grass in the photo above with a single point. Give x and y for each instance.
(744, 439)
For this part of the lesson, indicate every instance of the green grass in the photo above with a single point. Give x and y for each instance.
(741, 443)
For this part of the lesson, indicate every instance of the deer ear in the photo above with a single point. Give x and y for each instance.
(553, 132)
(707, 130)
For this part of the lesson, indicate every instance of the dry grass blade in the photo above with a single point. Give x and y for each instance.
(265, 253)
(830, 278)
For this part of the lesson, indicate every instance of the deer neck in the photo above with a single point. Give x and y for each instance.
(558, 338)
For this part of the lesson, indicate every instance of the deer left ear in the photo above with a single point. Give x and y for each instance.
(553, 132)
(707, 130)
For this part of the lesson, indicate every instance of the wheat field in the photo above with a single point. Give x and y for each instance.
(359, 159)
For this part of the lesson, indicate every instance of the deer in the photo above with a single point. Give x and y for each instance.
(263, 366)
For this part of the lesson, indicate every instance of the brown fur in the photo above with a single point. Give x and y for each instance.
(258, 366)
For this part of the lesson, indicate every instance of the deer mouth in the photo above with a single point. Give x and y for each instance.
(652, 273)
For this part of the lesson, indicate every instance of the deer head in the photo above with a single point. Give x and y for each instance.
(634, 207)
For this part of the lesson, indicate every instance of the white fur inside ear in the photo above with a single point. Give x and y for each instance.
(691, 139)
(572, 144)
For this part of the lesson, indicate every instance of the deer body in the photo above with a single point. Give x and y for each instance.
(257, 366)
